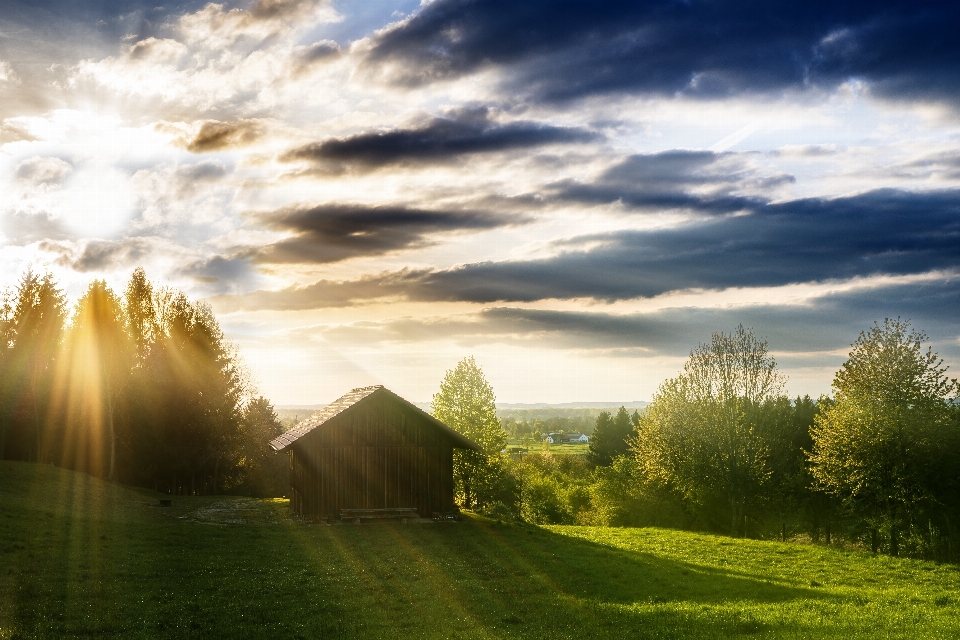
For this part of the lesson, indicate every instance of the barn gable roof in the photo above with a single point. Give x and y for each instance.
(344, 402)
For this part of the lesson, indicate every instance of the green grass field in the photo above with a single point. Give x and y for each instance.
(79, 557)
(580, 448)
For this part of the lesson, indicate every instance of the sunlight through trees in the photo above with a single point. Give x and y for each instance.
(144, 389)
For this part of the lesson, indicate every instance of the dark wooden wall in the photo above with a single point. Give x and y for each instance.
(376, 454)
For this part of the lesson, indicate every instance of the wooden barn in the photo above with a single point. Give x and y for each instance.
(371, 449)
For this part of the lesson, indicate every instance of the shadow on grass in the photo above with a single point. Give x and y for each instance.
(86, 558)
(591, 570)
(553, 585)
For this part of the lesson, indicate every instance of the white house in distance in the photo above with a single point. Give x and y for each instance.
(566, 438)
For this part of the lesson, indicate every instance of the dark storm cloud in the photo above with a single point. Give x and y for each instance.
(566, 49)
(802, 333)
(462, 131)
(335, 232)
(700, 180)
(826, 323)
(879, 232)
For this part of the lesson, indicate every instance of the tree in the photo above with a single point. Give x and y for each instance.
(885, 441)
(265, 472)
(611, 436)
(467, 404)
(38, 319)
(140, 312)
(7, 337)
(97, 368)
(701, 435)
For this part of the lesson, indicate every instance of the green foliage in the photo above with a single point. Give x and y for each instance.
(553, 489)
(621, 496)
(887, 444)
(611, 435)
(701, 436)
(466, 403)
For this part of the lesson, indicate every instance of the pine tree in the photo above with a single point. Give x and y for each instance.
(610, 437)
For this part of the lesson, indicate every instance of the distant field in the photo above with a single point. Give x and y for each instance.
(580, 448)
(79, 557)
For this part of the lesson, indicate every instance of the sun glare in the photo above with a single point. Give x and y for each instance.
(97, 202)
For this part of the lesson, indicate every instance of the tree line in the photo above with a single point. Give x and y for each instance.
(722, 448)
(140, 387)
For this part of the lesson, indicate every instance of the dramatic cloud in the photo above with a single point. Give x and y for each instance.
(576, 193)
(816, 331)
(216, 136)
(212, 61)
(99, 255)
(701, 180)
(823, 324)
(215, 27)
(306, 58)
(438, 140)
(560, 50)
(882, 232)
(335, 232)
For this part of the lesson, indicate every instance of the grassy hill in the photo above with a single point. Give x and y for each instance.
(80, 557)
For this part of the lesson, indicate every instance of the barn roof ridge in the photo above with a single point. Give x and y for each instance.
(346, 401)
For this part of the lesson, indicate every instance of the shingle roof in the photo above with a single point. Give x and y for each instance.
(346, 401)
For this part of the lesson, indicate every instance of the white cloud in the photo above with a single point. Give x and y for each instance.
(213, 27)
(221, 60)
(43, 173)
(7, 73)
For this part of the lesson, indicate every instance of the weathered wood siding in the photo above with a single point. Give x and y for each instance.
(375, 455)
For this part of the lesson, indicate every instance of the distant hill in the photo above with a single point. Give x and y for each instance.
(634, 404)
(290, 414)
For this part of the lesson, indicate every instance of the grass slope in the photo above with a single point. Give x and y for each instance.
(80, 557)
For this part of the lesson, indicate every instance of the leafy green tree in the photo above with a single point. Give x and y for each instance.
(611, 436)
(891, 432)
(620, 496)
(466, 403)
(701, 434)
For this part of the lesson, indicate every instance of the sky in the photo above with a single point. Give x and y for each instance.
(575, 193)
